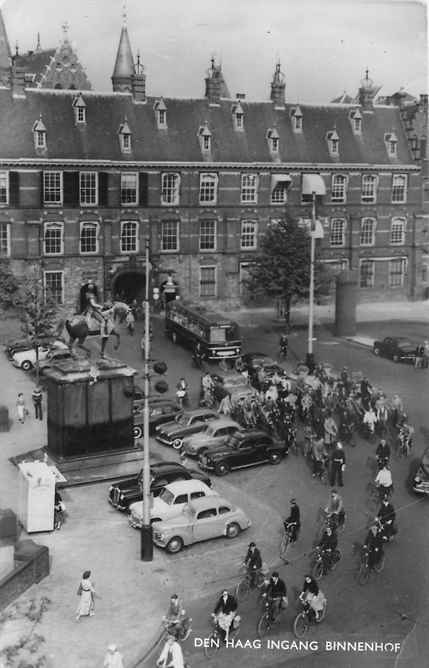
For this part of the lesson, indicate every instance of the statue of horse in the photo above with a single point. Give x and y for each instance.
(103, 324)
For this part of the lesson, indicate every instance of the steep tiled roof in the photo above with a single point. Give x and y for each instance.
(35, 62)
(98, 139)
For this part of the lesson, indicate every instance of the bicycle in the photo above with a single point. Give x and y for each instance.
(307, 617)
(245, 586)
(270, 615)
(216, 638)
(334, 521)
(364, 569)
(289, 534)
(321, 565)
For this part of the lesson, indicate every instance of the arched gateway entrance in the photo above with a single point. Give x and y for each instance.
(129, 285)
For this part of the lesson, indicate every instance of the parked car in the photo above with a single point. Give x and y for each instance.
(202, 519)
(26, 359)
(125, 492)
(188, 422)
(53, 357)
(170, 501)
(216, 432)
(242, 449)
(160, 411)
(235, 385)
(18, 345)
(398, 349)
(420, 476)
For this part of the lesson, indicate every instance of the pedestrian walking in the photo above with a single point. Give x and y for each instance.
(21, 408)
(130, 322)
(37, 397)
(113, 658)
(143, 346)
(425, 354)
(338, 465)
(86, 592)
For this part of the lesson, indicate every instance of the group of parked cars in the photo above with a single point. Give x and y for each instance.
(22, 353)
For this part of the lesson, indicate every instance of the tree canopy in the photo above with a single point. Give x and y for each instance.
(282, 268)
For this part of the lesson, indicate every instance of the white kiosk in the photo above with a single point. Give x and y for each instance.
(36, 496)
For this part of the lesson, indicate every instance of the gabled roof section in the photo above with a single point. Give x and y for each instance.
(108, 111)
(34, 63)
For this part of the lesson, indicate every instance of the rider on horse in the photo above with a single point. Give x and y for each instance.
(94, 311)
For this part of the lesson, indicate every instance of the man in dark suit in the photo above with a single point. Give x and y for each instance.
(253, 561)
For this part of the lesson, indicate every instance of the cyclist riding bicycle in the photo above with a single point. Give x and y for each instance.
(386, 517)
(335, 509)
(277, 594)
(328, 545)
(253, 562)
(313, 596)
(171, 655)
(225, 612)
(284, 344)
(384, 481)
(374, 545)
(406, 433)
(177, 621)
(292, 524)
(383, 453)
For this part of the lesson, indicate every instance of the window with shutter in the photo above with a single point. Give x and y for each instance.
(14, 188)
(71, 189)
(143, 188)
(102, 188)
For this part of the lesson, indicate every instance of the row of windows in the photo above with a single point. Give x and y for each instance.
(396, 273)
(337, 232)
(53, 238)
(53, 188)
(54, 283)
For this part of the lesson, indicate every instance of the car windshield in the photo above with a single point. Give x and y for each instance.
(406, 345)
(182, 418)
(167, 496)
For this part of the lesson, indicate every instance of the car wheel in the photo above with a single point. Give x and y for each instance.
(26, 365)
(221, 469)
(232, 530)
(395, 358)
(175, 545)
(174, 337)
(275, 458)
(137, 432)
(376, 351)
(177, 443)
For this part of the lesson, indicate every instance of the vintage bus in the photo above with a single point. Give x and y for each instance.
(219, 337)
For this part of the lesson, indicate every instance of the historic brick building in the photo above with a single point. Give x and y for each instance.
(86, 177)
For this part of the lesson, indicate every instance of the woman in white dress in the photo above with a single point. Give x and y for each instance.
(86, 592)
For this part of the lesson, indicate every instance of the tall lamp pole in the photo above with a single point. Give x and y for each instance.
(310, 354)
(146, 543)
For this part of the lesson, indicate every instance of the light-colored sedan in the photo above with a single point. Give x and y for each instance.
(203, 519)
(170, 502)
(26, 359)
(216, 432)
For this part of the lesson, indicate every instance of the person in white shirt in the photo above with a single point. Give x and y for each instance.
(171, 655)
(384, 481)
(370, 419)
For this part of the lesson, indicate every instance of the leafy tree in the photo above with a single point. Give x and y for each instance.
(37, 312)
(9, 286)
(282, 269)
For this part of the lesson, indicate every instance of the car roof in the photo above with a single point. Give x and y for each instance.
(254, 433)
(183, 486)
(223, 422)
(166, 466)
(199, 411)
(206, 502)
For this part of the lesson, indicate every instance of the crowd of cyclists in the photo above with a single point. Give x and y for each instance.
(316, 412)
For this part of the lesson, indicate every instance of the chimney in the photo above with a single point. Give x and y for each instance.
(139, 87)
(278, 88)
(18, 81)
(423, 102)
(213, 84)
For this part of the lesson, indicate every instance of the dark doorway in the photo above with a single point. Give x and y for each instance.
(129, 286)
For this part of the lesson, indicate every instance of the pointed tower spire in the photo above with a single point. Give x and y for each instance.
(38, 46)
(124, 69)
(278, 87)
(5, 53)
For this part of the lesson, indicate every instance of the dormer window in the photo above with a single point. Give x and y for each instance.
(125, 137)
(391, 142)
(39, 132)
(205, 137)
(238, 116)
(161, 114)
(356, 121)
(333, 142)
(296, 115)
(79, 107)
(273, 140)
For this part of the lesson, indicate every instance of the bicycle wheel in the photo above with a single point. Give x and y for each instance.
(318, 571)
(380, 566)
(242, 589)
(212, 646)
(300, 625)
(264, 625)
(363, 574)
(284, 545)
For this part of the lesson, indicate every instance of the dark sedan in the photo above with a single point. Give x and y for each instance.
(185, 424)
(241, 450)
(398, 349)
(125, 492)
(160, 412)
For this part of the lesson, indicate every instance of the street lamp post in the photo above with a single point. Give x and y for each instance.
(146, 543)
(310, 354)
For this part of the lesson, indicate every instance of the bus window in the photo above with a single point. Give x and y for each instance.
(217, 335)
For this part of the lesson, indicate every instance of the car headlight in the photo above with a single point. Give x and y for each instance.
(122, 496)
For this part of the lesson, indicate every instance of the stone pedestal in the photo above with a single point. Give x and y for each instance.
(345, 303)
